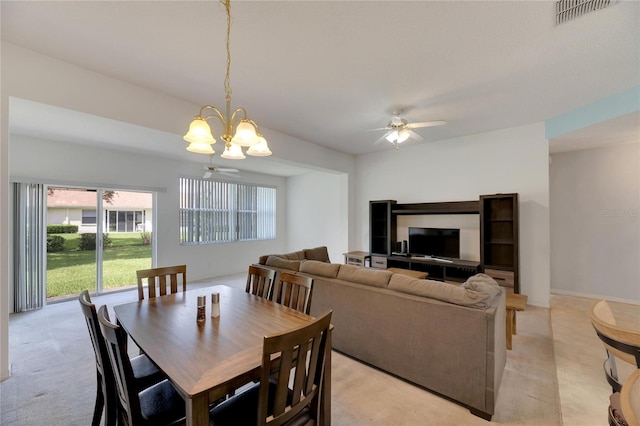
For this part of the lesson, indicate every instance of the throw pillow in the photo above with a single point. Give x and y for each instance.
(318, 253)
(483, 283)
(280, 262)
(296, 255)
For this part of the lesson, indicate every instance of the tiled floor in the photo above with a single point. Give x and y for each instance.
(579, 354)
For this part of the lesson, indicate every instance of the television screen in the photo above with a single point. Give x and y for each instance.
(436, 242)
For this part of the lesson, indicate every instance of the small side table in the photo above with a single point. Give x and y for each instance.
(357, 258)
(515, 302)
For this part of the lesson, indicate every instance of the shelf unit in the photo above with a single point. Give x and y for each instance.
(499, 254)
(499, 238)
(382, 224)
(456, 271)
(448, 207)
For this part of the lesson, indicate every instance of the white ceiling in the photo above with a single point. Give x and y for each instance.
(328, 71)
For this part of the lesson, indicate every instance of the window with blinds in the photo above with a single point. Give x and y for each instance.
(216, 212)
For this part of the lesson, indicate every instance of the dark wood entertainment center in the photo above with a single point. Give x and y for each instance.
(498, 238)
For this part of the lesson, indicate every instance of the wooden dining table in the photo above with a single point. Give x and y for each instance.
(206, 361)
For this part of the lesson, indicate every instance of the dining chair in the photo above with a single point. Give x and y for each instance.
(157, 405)
(157, 283)
(260, 281)
(294, 291)
(620, 344)
(630, 399)
(301, 352)
(145, 373)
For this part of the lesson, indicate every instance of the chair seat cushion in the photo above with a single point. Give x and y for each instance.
(161, 404)
(241, 409)
(145, 372)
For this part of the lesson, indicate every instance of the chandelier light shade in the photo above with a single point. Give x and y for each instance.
(200, 148)
(237, 129)
(199, 132)
(233, 152)
(261, 149)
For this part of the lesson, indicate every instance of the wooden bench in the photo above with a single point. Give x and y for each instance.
(515, 302)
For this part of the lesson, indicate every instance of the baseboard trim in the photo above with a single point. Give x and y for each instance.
(594, 296)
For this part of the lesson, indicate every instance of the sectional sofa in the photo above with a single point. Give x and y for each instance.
(447, 338)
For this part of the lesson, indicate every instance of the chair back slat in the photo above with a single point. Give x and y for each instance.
(156, 279)
(260, 281)
(91, 318)
(294, 291)
(116, 341)
(106, 393)
(302, 350)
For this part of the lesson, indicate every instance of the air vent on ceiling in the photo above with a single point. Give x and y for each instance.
(567, 10)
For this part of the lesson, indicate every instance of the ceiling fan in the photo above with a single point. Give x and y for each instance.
(209, 171)
(399, 129)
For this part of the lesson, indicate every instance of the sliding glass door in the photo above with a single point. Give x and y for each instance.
(96, 239)
(127, 218)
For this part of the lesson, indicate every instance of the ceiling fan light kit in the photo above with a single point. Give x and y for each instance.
(246, 133)
(396, 136)
(399, 129)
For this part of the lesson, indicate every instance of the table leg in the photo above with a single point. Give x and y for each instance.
(513, 326)
(509, 323)
(197, 410)
(325, 395)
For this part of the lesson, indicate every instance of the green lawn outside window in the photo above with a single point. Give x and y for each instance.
(71, 271)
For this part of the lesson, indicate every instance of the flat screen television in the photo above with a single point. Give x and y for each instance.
(437, 242)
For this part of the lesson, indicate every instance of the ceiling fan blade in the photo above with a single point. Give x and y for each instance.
(379, 128)
(426, 124)
(207, 175)
(415, 136)
(232, 175)
(382, 138)
(222, 169)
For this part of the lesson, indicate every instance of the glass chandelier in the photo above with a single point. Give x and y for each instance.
(237, 129)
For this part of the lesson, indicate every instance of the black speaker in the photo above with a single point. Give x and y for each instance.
(403, 246)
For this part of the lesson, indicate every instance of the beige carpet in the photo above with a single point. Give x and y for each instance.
(53, 380)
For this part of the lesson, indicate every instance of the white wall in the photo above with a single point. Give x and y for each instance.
(503, 161)
(322, 224)
(117, 169)
(28, 75)
(595, 222)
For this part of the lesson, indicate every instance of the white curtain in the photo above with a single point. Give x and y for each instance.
(29, 246)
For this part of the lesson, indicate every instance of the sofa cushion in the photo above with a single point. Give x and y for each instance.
(263, 259)
(318, 253)
(367, 276)
(281, 262)
(323, 269)
(451, 293)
